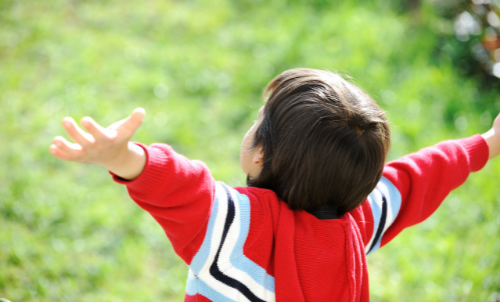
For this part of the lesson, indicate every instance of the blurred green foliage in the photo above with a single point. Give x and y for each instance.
(68, 233)
(471, 37)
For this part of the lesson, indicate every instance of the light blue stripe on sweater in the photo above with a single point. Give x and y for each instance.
(386, 189)
(201, 257)
(196, 286)
(237, 259)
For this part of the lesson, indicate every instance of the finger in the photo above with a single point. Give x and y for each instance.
(97, 131)
(76, 133)
(58, 153)
(129, 125)
(139, 112)
(71, 150)
(135, 119)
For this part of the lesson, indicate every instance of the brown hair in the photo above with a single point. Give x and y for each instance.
(324, 141)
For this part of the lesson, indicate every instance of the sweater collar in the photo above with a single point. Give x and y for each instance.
(326, 211)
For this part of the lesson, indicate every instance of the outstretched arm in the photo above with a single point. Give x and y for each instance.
(177, 192)
(107, 147)
(413, 187)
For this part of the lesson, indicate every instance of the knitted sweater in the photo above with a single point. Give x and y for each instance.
(245, 244)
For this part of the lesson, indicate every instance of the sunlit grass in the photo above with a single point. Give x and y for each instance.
(68, 233)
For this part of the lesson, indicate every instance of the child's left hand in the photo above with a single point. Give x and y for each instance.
(492, 137)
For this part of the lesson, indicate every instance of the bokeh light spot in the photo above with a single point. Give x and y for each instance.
(388, 97)
(461, 123)
(486, 118)
(160, 119)
(496, 70)
(161, 91)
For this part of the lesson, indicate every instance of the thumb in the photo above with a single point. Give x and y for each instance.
(127, 127)
(137, 116)
(133, 122)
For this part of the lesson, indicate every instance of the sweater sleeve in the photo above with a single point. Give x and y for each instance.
(413, 187)
(207, 223)
(178, 193)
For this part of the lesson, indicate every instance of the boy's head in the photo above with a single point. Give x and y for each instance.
(319, 140)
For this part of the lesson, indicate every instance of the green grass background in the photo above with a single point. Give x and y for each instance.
(68, 233)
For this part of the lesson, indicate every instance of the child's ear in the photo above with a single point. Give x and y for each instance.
(258, 157)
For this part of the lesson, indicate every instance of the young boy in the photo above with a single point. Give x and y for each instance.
(319, 197)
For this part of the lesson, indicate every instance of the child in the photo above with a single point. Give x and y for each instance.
(319, 197)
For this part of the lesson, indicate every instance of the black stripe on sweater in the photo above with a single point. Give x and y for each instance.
(214, 269)
(381, 225)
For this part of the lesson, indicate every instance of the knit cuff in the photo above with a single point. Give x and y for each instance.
(477, 150)
(153, 170)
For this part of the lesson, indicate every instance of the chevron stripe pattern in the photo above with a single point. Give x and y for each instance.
(385, 202)
(220, 271)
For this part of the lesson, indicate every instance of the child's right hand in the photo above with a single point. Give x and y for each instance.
(107, 147)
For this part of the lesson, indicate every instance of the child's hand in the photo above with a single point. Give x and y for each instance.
(492, 137)
(106, 147)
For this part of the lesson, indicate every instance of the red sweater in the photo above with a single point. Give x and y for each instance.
(244, 244)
